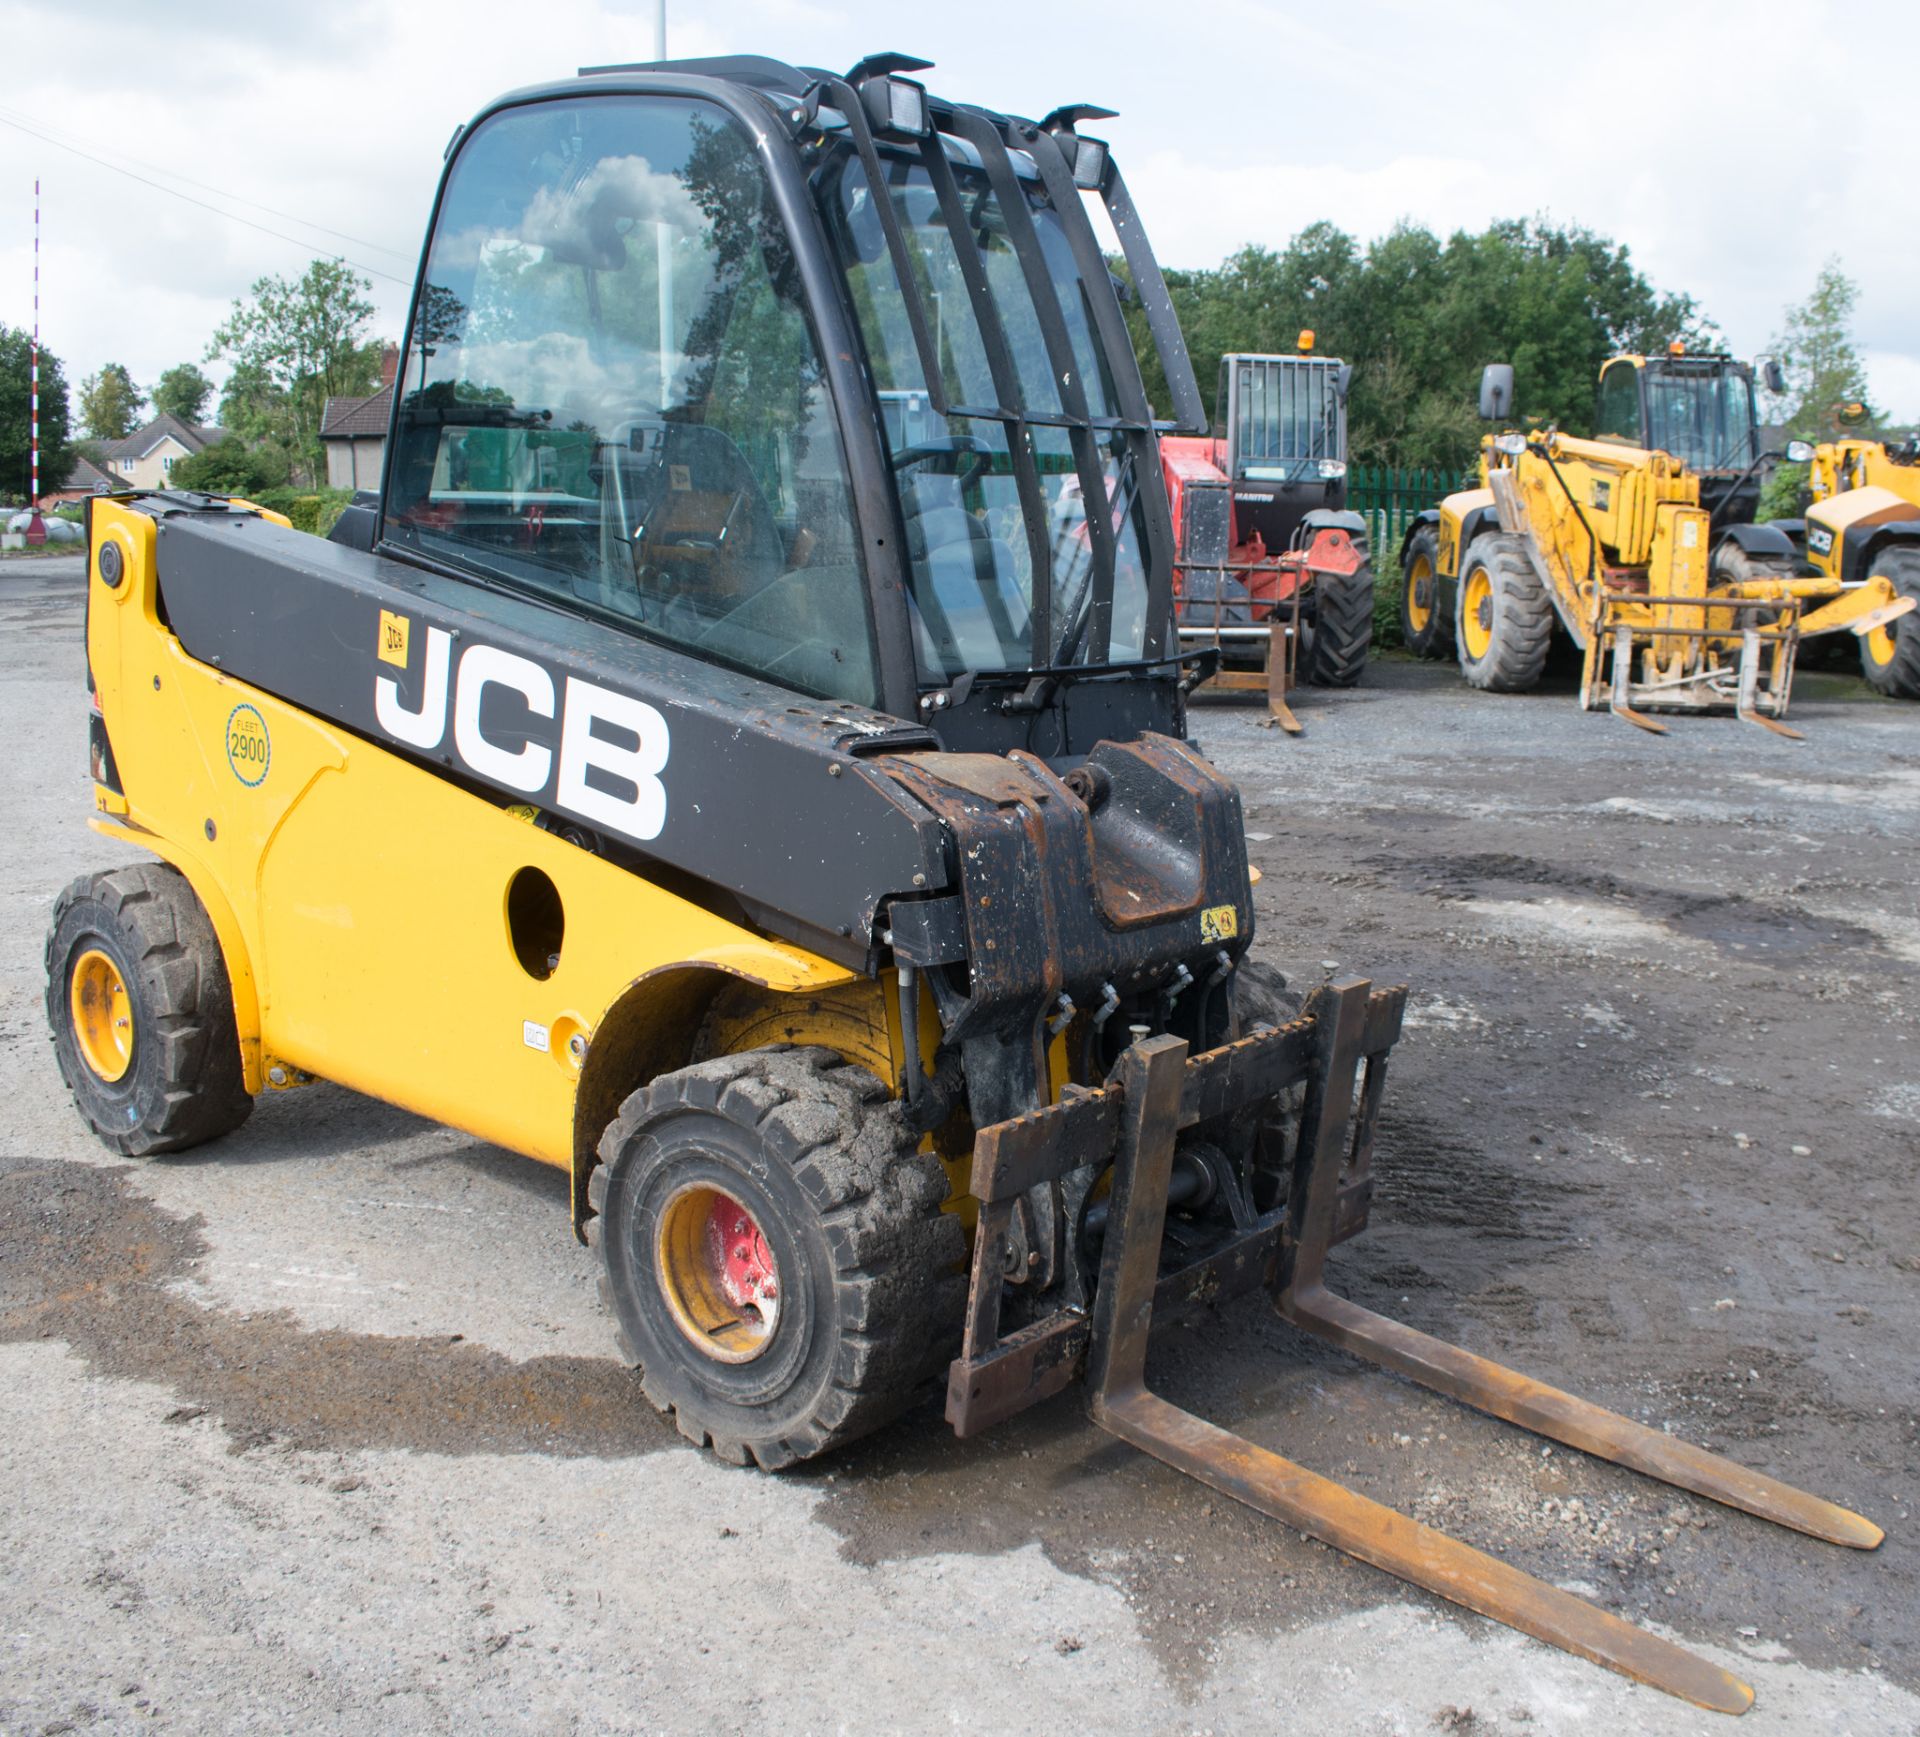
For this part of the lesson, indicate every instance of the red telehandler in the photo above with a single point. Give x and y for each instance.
(1271, 568)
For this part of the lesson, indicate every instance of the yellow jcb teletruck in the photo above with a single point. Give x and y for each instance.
(776, 816)
(1864, 528)
(1619, 543)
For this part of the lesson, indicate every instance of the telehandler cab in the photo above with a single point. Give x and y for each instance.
(789, 833)
(1618, 545)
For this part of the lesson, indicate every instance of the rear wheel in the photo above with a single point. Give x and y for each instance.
(1890, 655)
(1733, 565)
(1334, 643)
(1426, 602)
(141, 1011)
(775, 1253)
(1504, 623)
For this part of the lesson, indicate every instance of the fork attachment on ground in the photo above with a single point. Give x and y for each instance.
(1338, 1054)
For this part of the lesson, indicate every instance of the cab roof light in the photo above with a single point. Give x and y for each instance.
(895, 106)
(1306, 341)
(1086, 158)
(1677, 347)
(1089, 164)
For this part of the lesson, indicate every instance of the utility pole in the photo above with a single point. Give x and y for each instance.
(36, 529)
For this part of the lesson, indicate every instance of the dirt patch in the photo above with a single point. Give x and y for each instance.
(1730, 922)
(85, 1260)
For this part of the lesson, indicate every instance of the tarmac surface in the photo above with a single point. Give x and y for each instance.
(318, 1427)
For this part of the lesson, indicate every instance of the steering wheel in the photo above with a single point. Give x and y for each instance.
(965, 455)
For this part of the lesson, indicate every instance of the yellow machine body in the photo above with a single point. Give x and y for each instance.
(362, 905)
(1856, 484)
(1621, 545)
(1840, 465)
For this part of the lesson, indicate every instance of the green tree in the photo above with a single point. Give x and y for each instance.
(1816, 350)
(231, 467)
(183, 392)
(1418, 317)
(298, 343)
(110, 403)
(16, 417)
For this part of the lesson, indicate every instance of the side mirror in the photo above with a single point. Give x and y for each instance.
(1799, 452)
(1772, 375)
(1343, 380)
(1496, 392)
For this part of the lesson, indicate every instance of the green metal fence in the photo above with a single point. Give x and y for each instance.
(1389, 499)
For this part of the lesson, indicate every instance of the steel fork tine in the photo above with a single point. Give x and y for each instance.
(1505, 1393)
(1121, 1403)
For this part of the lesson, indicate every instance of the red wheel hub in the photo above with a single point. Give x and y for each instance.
(717, 1275)
(741, 1259)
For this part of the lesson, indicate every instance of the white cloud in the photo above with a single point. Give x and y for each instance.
(1732, 146)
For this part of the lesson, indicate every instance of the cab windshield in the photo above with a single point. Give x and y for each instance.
(1286, 416)
(981, 557)
(614, 397)
(1704, 420)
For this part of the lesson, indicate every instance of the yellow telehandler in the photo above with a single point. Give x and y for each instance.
(775, 814)
(1610, 541)
(1863, 530)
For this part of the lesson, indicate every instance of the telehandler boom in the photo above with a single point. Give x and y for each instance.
(739, 758)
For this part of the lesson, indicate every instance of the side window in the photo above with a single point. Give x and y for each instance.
(613, 395)
(1619, 409)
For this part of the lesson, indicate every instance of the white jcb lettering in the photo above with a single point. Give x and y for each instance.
(484, 666)
(424, 728)
(641, 815)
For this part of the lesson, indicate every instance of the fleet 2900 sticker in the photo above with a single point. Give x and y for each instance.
(249, 746)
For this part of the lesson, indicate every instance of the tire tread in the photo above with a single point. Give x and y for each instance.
(897, 1257)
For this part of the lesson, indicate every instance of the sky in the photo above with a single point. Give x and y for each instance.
(1732, 145)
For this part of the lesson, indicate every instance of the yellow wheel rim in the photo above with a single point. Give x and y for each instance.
(1476, 614)
(1420, 594)
(1880, 646)
(717, 1274)
(102, 1015)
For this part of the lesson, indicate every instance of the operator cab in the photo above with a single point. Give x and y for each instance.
(1283, 423)
(1698, 409)
(809, 377)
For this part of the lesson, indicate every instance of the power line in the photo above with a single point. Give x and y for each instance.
(60, 136)
(231, 216)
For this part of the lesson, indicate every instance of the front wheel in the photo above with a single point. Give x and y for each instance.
(1334, 642)
(775, 1252)
(1504, 623)
(1890, 655)
(141, 1011)
(1426, 601)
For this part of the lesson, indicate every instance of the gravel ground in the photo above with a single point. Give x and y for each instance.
(316, 1428)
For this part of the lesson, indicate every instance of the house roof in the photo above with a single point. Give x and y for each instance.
(194, 436)
(88, 475)
(357, 418)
